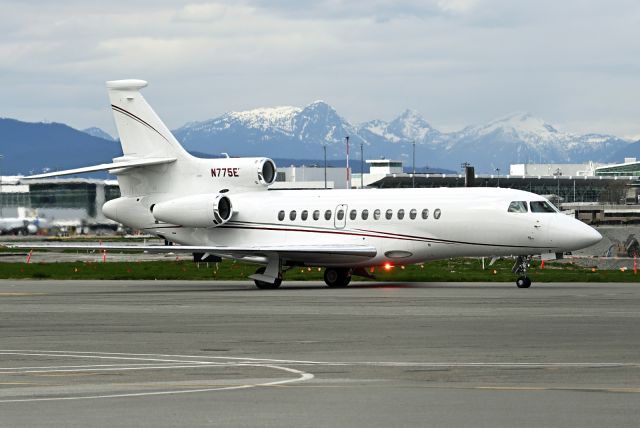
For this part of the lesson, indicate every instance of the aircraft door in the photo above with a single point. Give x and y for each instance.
(340, 216)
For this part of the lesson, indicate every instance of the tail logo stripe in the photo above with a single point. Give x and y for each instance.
(136, 118)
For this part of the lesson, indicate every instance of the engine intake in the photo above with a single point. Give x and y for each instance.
(221, 209)
(208, 210)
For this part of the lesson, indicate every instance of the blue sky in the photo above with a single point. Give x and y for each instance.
(574, 63)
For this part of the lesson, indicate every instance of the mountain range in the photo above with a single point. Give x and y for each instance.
(36, 147)
(300, 133)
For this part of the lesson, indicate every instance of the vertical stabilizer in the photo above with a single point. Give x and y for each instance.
(142, 133)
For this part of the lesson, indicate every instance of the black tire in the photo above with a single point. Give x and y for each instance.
(266, 285)
(337, 277)
(523, 282)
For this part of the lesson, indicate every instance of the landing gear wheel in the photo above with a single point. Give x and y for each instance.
(520, 268)
(523, 282)
(337, 277)
(263, 285)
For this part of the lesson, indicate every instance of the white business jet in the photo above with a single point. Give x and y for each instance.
(27, 222)
(222, 208)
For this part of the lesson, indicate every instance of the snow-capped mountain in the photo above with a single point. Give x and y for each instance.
(320, 123)
(301, 132)
(277, 132)
(524, 138)
(406, 128)
(409, 126)
(518, 124)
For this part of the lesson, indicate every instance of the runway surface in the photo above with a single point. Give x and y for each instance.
(172, 353)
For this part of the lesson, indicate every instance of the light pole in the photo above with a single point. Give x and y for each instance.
(558, 173)
(348, 177)
(498, 173)
(324, 147)
(361, 164)
(413, 176)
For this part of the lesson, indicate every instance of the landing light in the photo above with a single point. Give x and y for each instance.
(388, 266)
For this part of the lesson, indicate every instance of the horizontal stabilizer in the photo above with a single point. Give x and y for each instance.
(133, 163)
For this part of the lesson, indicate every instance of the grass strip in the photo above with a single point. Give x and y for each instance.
(436, 271)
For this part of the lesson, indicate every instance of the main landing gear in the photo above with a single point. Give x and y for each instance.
(333, 277)
(520, 268)
(264, 285)
(337, 277)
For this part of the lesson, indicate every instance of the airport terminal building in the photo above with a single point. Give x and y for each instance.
(596, 193)
(74, 204)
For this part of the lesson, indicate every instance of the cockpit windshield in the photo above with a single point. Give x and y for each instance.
(542, 207)
(518, 207)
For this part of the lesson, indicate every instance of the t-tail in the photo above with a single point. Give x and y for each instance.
(148, 146)
(159, 180)
(142, 133)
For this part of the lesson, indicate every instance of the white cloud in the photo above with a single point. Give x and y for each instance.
(458, 61)
(201, 12)
(458, 6)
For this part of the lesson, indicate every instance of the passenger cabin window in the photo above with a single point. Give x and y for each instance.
(327, 215)
(413, 213)
(365, 214)
(316, 214)
(304, 214)
(541, 207)
(425, 214)
(400, 214)
(376, 215)
(340, 214)
(388, 214)
(281, 215)
(353, 214)
(437, 213)
(518, 207)
(292, 215)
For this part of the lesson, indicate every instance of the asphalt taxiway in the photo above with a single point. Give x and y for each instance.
(177, 353)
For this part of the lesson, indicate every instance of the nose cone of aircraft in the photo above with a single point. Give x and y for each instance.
(570, 234)
(591, 236)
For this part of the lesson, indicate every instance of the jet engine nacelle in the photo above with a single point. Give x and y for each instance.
(242, 172)
(206, 210)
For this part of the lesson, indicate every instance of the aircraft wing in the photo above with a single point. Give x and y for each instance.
(133, 163)
(252, 253)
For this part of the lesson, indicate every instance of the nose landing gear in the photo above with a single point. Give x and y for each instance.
(523, 282)
(520, 268)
